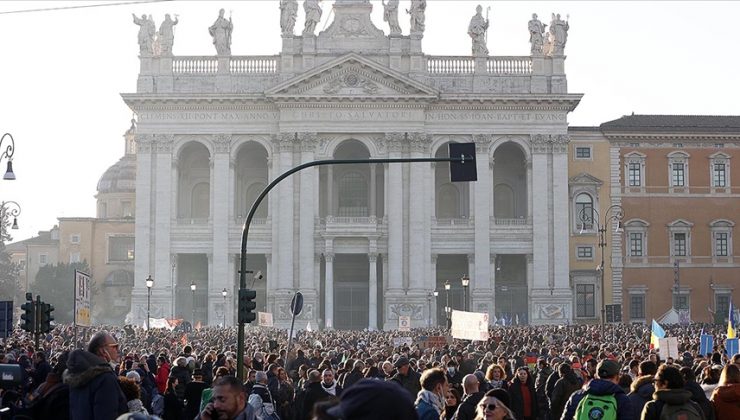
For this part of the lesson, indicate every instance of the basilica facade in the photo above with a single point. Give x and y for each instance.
(364, 243)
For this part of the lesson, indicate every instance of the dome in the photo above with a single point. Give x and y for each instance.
(119, 178)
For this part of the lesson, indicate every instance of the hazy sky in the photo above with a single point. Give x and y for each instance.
(62, 72)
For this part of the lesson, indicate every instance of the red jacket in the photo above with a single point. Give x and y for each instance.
(726, 401)
(163, 372)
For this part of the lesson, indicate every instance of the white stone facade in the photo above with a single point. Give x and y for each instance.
(363, 243)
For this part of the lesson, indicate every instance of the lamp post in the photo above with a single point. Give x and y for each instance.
(192, 288)
(11, 208)
(435, 293)
(8, 153)
(447, 303)
(676, 300)
(589, 215)
(149, 285)
(429, 305)
(224, 293)
(465, 283)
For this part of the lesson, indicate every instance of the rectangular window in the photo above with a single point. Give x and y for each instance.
(126, 209)
(120, 248)
(679, 244)
(583, 153)
(719, 175)
(74, 257)
(635, 175)
(585, 252)
(637, 306)
(679, 145)
(723, 305)
(585, 304)
(43, 259)
(74, 238)
(681, 302)
(719, 145)
(636, 244)
(720, 244)
(678, 175)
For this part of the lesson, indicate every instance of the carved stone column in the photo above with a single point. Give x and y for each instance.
(220, 217)
(284, 273)
(162, 147)
(142, 248)
(373, 292)
(373, 191)
(394, 204)
(329, 291)
(479, 268)
(308, 195)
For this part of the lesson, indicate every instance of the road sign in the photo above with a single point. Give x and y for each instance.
(296, 304)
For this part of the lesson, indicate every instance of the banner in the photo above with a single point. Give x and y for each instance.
(469, 325)
(668, 347)
(402, 341)
(706, 344)
(731, 345)
(404, 323)
(161, 323)
(82, 299)
(265, 319)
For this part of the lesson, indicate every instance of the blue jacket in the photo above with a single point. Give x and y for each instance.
(600, 387)
(426, 411)
(642, 392)
(94, 393)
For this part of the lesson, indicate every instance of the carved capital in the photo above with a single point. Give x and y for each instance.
(419, 142)
(163, 143)
(482, 142)
(144, 142)
(395, 141)
(222, 143)
(328, 257)
(540, 143)
(285, 141)
(560, 143)
(308, 141)
(372, 257)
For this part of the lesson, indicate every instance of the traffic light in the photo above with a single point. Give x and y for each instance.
(28, 316)
(46, 317)
(464, 169)
(247, 305)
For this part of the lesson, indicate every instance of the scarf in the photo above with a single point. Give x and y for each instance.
(432, 399)
(330, 389)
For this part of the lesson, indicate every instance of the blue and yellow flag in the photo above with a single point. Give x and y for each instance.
(731, 329)
(657, 332)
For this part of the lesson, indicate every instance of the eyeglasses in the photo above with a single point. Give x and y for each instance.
(489, 407)
(114, 345)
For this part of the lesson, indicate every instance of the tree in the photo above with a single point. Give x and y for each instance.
(9, 287)
(56, 283)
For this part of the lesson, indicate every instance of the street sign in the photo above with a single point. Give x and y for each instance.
(296, 304)
(6, 318)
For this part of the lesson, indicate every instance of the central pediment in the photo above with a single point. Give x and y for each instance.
(352, 77)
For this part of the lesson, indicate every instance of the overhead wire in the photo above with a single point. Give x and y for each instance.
(85, 6)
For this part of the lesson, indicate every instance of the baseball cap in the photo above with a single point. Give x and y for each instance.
(607, 369)
(371, 399)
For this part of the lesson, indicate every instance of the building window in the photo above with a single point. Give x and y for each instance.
(719, 145)
(126, 210)
(635, 174)
(583, 152)
(681, 302)
(719, 177)
(635, 244)
(584, 211)
(43, 259)
(74, 257)
(585, 304)
(677, 179)
(722, 304)
(353, 196)
(679, 244)
(120, 248)
(720, 244)
(635, 168)
(719, 165)
(634, 144)
(637, 307)
(678, 164)
(721, 238)
(585, 252)
(75, 238)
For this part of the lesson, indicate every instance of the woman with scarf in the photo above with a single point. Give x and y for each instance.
(431, 399)
(523, 396)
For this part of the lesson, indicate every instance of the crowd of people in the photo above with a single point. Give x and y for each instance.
(521, 372)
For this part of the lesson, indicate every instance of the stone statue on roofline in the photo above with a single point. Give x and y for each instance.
(477, 31)
(221, 33)
(390, 15)
(313, 16)
(146, 34)
(558, 34)
(288, 14)
(417, 11)
(536, 35)
(166, 35)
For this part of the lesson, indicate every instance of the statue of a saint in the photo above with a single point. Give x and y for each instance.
(166, 35)
(288, 14)
(221, 33)
(146, 34)
(390, 15)
(536, 35)
(477, 31)
(313, 16)
(418, 8)
(558, 34)
(547, 44)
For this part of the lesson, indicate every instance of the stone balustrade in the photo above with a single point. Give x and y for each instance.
(450, 65)
(194, 65)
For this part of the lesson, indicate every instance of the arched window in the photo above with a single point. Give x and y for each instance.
(353, 195)
(585, 211)
(503, 200)
(253, 192)
(200, 199)
(448, 205)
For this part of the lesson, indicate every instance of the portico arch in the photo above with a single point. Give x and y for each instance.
(193, 182)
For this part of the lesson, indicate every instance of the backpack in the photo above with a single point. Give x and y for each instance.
(686, 411)
(597, 407)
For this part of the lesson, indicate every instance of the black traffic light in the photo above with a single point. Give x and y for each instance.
(464, 169)
(46, 317)
(247, 305)
(28, 317)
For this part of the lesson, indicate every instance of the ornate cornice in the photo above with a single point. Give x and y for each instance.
(482, 142)
(395, 142)
(560, 143)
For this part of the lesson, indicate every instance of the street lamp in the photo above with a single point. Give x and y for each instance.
(435, 293)
(676, 301)
(8, 153)
(149, 285)
(192, 288)
(590, 215)
(11, 208)
(465, 283)
(447, 303)
(223, 293)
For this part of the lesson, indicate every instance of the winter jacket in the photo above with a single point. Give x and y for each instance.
(517, 398)
(539, 387)
(351, 378)
(426, 411)
(726, 402)
(163, 372)
(466, 410)
(182, 373)
(410, 382)
(564, 388)
(641, 391)
(313, 394)
(662, 397)
(600, 387)
(697, 396)
(94, 392)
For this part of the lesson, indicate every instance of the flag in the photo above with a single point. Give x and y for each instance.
(706, 344)
(731, 330)
(655, 334)
(731, 347)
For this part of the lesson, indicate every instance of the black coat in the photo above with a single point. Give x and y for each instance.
(314, 393)
(517, 398)
(466, 410)
(410, 382)
(94, 392)
(564, 388)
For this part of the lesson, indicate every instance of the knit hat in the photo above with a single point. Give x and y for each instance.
(607, 369)
(370, 399)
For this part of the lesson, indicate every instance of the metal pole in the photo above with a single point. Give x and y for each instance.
(429, 303)
(37, 320)
(263, 194)
(193, 309)
(224, 311)
(602, 245)
(148, 306)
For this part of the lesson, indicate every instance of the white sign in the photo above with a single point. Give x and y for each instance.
(404, 323)
(265, 319)
(469, 325)
(402, 341)
(668, 347)
(160, 323)
(82, 299)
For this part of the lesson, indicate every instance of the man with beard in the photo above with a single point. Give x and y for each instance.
(229, 402)
(329, 384)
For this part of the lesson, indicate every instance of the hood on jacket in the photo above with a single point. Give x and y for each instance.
(727, 393)
(640, 382)
(83, 367)
(572, 378)
(602, 387)
(672, 396)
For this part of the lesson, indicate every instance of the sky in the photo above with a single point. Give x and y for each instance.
(62, 72)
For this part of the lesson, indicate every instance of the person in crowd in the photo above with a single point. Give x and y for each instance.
(523, 396)
(329, 384)
(207, 393)
(469, 404)
(430, 402)
(173, 406)
(492, 408)
(544, 370)
(133, 395)
(604, 385)
(163, 372)
(452, 402)
(564, 388)
(406, 377)
(726, 397)
(315, 393)
(642, 388)
(229, 401)
(261, 399)
(192, 394)
(285, 394)
(697, 394)
(183, 375)
(670, 399)
(94, 392)
(496, 377)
